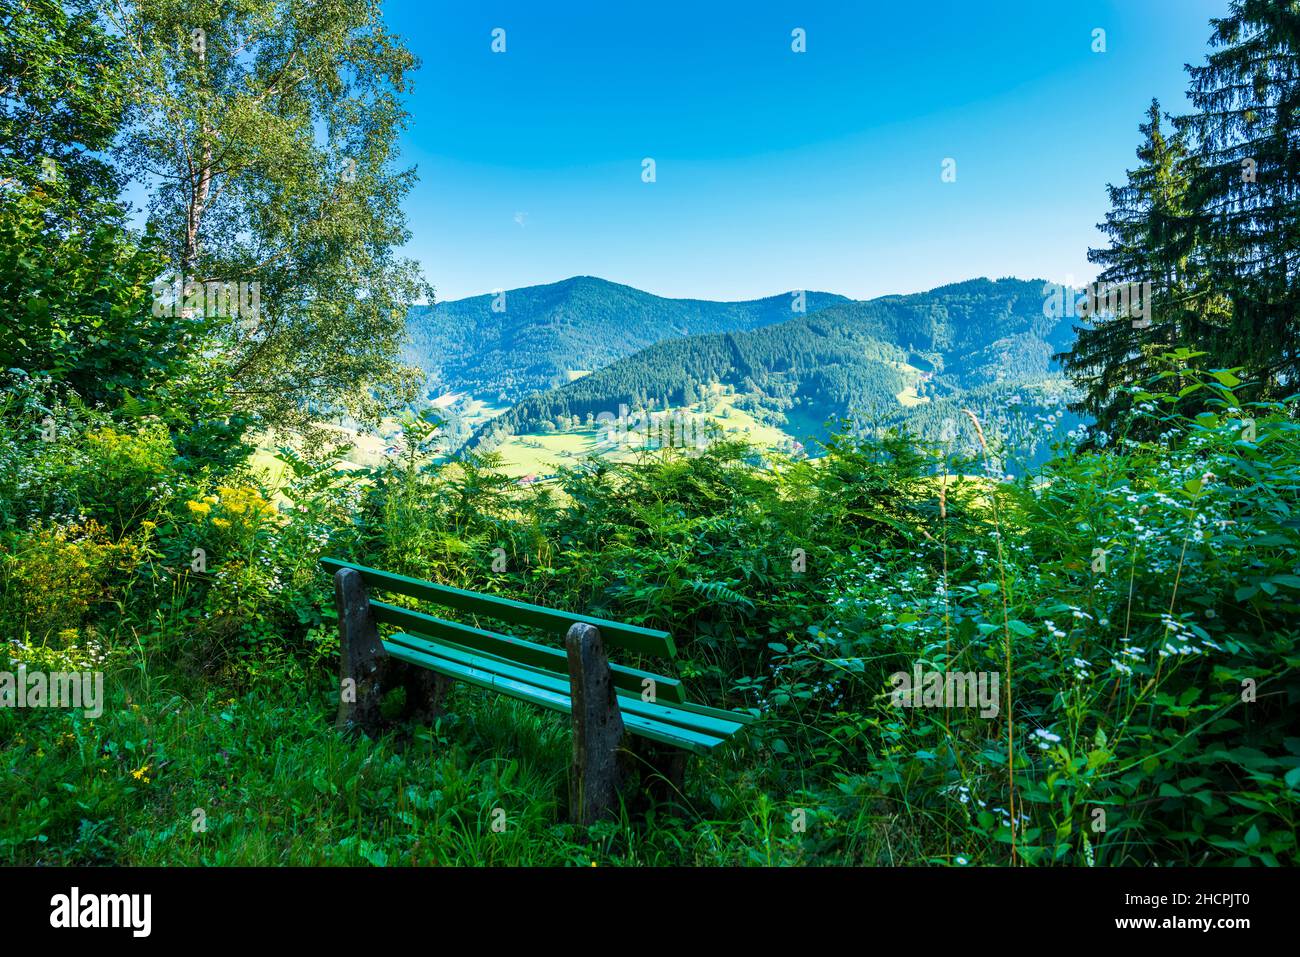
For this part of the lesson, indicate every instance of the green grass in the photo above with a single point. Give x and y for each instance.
(268, 466)
(272, 783)
(367, 449)
(538, 453)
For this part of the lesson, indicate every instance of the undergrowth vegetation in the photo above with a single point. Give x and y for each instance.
(1136, 604)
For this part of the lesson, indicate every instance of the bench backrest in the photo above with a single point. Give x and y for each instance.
(613, 634)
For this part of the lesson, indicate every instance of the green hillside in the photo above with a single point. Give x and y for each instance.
(541, 336)
(915, 360)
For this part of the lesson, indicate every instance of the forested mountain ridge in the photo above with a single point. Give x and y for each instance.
(503, 346)
(882, 360)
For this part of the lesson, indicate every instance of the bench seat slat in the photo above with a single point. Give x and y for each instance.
(545, 697)
(516, 649)
(721, 723)
(709, 726)
(739, 717)
(632, 637)
(555, 701)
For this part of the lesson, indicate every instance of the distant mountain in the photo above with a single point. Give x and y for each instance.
(916, 359)
(542, 336)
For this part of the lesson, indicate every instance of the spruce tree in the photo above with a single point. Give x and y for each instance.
(1246, 122)
(1152, 232)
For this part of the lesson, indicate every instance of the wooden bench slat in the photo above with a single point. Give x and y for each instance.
(740, 717)
(525, 691)
(708, 726)
(632, 637)
(517, 649)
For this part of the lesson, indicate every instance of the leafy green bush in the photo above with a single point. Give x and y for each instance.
(1145, 599)
(78, 305)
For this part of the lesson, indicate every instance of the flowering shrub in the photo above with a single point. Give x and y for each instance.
(56, 575)
(1177, 560)
(1141, 610)
(67, 650)
(62, 462)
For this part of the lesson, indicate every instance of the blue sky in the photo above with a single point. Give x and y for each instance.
(777, 170)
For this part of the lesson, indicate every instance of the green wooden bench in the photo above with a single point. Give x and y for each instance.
(626, 721)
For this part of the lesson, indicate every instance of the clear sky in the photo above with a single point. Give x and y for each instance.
(777, 170)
